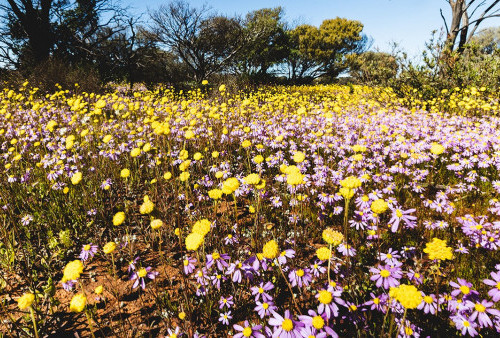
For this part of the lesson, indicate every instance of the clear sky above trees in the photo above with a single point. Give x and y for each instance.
(407, 22)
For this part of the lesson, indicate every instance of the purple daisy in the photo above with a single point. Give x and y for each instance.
(300, 277)
(386, 276)
(140, 276)
(224, 317)
(264, 308)
(189, 265)
(248, 331)
(88, 251)
(260, 291)
(495, 292)
(481, 311)
(285, 327)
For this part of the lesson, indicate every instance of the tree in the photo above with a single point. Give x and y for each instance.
(302, 62)
(374, 68)
(205, 44)
(323, 51)
(34, 30)
(266, 42)
(487, 40)
(466, 16)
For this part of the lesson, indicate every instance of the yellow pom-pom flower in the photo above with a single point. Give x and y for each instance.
(332, 237)
(215, 194)
(156, 224)
(25, 301)
(379, 206)
(351, 182)
(437, 149)
(193, 241)
(270, 250)
(119, 218)
(109, 247)
(202, 227)
(125, 173)
(76, 178)
(146, 207)
(230, 185)
(299, 157)
(72, 270)
(407, 295)
(323, 253)
(252, 179)
(135, 152)
(437, 249)
(78, 303)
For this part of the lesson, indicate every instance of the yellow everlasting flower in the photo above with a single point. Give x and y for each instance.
(193, 241)
(332, 237)
(119, 218)
(215, 194)
(146, 207)
(270, 250)
(76, 178)
(202, 227)
(72, 270)
(437, 249)
(78, 303)
(25, 301)
(407, 295)
(156, 224)
(125, 173)
(323, 253)
(299, 157)
(437, 149)
(109, 247)
(379, 206)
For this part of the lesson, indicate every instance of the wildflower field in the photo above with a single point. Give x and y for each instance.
(316, 211)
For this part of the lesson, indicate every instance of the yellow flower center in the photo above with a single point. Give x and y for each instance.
(300, 272)
(247, 332)
(353, 307)
(287, 325)
(261, 290)
(265, 306)
(399, 213)
(428, 299)
(498, 285)
(318, 322)
(86, 247)
(479, 307)
(186, 262)
(376, 300)
(215, 255)
(385, 273)
(389, 256)
(465, 289)
(466, 323)
(142, 273)
(325, 297)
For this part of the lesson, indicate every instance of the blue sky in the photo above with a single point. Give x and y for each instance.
(407, 22)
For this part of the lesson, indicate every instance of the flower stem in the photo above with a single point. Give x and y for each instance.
(290, 288)
(329, 263)
(32, 313)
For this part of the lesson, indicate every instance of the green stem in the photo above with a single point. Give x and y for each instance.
(329, 263)
(32, 313)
